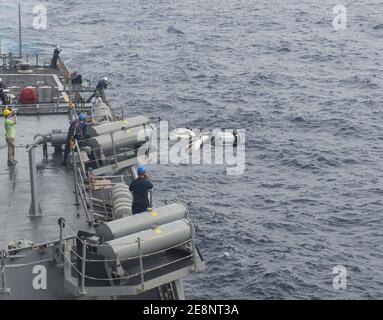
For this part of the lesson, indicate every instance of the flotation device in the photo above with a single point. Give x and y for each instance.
(28, 95)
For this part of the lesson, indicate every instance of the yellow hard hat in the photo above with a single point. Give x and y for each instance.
(7, 112)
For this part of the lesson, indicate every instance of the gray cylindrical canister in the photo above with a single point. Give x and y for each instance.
(142, 221)
(151, 240)
(114, 126)
(120, 186)
(123, 210)
(121, 141)
(120, 194)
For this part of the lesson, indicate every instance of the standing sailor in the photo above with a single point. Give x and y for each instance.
(101, 87)
(76, 132)
(56, 55)
(102, 84)
(140, 189)
(10, 134)
(76, 80)
(2, 94)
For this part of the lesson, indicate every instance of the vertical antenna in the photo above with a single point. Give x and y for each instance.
(20, 41)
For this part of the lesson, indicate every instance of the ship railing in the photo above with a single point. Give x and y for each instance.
(79, 103)
(118, 113)
(92, 192)
(102, 204)
(84, 192)
(80, 190)
(41, 60)
(70, 254)
(56, 95)
(16, 253)
(3, 61)
(36, 60)
(40, 105)
(56, 102)
(87, 108)
(80, 184)
(99, 205)
(83, 188)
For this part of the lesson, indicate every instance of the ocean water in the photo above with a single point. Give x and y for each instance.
(309, 98)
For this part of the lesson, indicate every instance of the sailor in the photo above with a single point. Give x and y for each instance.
(76, 80)
(101, 87)
(76, 132)
(102, 84)
(10, 134)
(140, 189)
(56, 55)
(2, 94)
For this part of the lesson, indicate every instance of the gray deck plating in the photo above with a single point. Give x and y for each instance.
(55, 186)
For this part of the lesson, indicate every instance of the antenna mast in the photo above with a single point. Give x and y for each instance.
(20, 41)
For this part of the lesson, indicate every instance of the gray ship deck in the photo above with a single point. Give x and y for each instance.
(54, 181)
(49, 82)
(45, 77)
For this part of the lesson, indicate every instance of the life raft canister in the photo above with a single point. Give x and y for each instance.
(28, 95)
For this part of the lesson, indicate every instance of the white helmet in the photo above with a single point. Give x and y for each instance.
(58, 47)
(106, 79)
(1, 80)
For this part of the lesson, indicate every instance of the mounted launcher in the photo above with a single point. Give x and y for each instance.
(115, 144)
(138, 252)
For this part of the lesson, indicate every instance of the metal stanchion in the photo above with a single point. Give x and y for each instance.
(141, 263)
(77, 203)
(83, 267)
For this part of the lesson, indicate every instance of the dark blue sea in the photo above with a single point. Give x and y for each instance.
(309, 97)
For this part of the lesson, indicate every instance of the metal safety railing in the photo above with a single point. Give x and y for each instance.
(88, 108)
(103, 201)
(13, 254)
(35, 61)
(95, 201)
(52, 96)
(69, 253)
